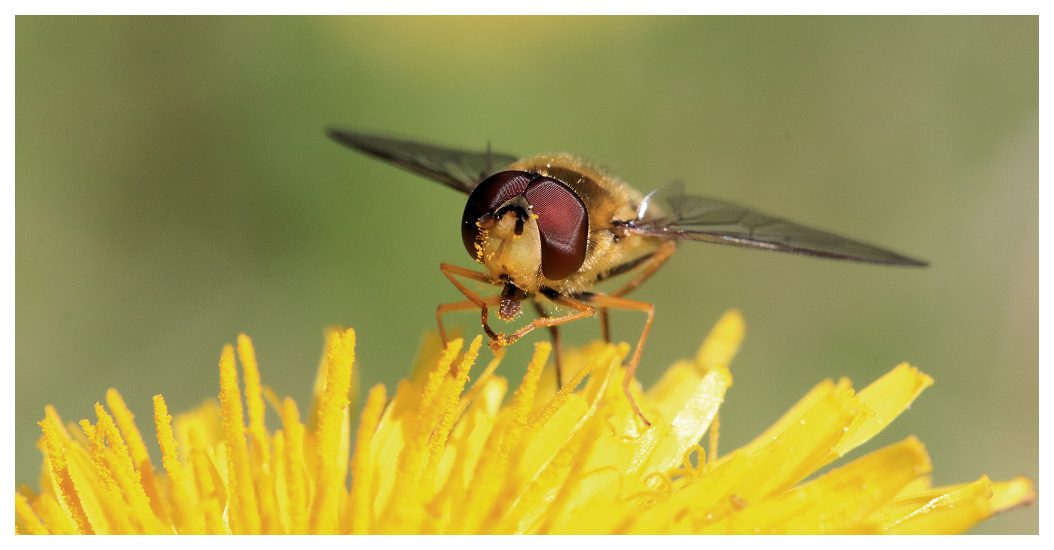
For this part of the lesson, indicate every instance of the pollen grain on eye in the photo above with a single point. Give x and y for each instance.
(440, 455)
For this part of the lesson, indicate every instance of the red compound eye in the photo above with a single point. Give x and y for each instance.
(563, 224)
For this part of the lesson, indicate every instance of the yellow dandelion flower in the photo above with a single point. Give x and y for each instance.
(441, 455)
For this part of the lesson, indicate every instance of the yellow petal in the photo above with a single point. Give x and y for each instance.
(836, 502)
(691, 421)
(1009, 494)
(887, 397)
(940, 512)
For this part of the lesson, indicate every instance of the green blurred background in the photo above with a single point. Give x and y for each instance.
(174, 188)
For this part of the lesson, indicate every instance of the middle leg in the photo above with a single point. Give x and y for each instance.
(554, 335)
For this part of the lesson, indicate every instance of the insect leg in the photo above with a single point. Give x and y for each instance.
(554, 335)
(581, 309)
(606, 301)
(462, 306)
(473, 298)
(605, 327)
(648, 267)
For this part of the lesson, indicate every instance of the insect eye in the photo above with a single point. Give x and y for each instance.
(486, 199)
(563, 225)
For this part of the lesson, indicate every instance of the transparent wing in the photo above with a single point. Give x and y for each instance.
(462, 170)
(668, 211)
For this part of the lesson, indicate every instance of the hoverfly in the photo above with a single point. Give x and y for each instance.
(554, 225)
